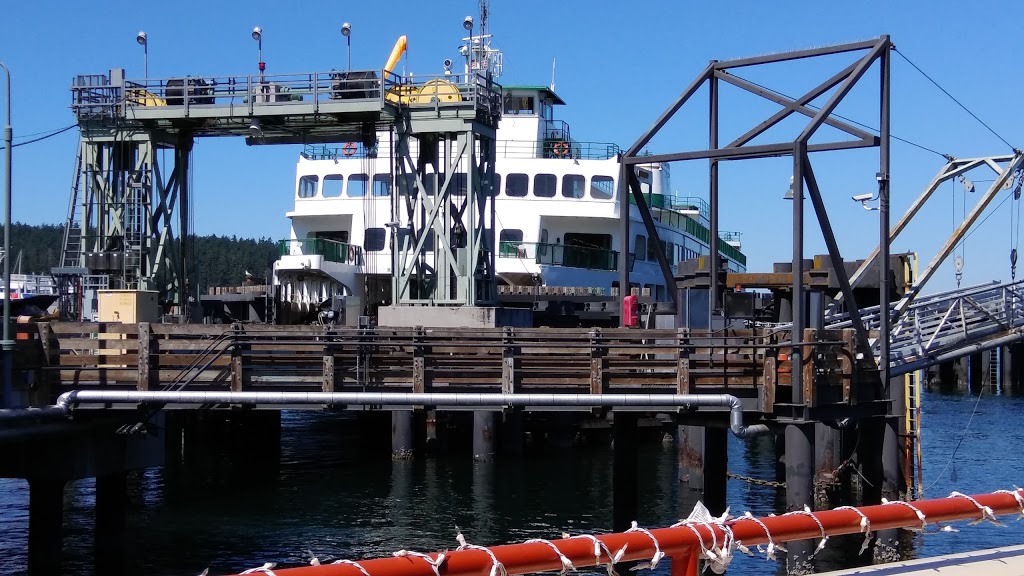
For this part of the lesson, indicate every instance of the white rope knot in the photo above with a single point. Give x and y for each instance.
(435, 564)
(566, 563)
(769, 552)
(986, 513)
(497, 568)
(1016, 496)
(352, 563)
(267, 568)
(600, 546)
(865, 527)
(658, 554)
(821, 527)
(920, 515)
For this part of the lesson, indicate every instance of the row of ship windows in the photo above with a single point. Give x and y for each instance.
(517, 185)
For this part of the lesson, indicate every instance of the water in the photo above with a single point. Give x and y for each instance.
(329, 500)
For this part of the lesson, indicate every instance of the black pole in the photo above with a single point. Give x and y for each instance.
(713, 192)
(623, 234)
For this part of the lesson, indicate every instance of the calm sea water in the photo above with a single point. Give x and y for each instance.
(328, 500)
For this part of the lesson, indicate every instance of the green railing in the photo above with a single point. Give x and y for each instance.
(700, 232)
(331, 250)
(560, 255)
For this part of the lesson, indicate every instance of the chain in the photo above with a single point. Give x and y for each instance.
(757, 481)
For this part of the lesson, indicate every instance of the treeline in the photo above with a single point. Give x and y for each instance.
(219, 260)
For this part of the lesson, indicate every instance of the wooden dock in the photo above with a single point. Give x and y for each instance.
(750, 364)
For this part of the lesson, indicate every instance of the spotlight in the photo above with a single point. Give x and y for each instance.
(141, 38)
(468, 23)
(257, 33)
(346, 29)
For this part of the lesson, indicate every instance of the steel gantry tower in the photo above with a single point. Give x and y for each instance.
(129, 212)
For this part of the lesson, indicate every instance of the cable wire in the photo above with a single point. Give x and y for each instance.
(951, 97)
(41, 138)
(981, 393)
(850, 120)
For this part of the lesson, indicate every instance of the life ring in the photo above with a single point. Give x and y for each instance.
(349, 148)
(351, 254)
(561, 149)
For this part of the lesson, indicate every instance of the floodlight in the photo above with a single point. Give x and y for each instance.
(468, 23)
(346, 29)
(141, 38)
(257, 33)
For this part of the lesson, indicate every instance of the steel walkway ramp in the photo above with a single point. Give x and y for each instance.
(948, 325)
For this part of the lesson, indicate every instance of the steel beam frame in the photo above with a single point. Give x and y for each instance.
(842, 82)
(122, 203)
(457, 267)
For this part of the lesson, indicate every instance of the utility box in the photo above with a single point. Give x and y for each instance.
(128, 306)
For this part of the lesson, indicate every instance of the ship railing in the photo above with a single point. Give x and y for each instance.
(730, 236)
(560, 255)
(689, 546)
(331, 250)
(100, 95)
(698, 231)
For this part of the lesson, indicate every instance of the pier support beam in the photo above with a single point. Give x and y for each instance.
(512, 433)
(401, 435)
(799, 489)
(704, 463)
(624, 470)
(111, 518)
(828, 455)
(483, 435)
(45, 526)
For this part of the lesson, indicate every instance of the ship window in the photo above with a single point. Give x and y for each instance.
(542, 248)
(652, 248)
(517, 185)
(546, 110)
(332, 185)
(519, 105)
(573, 185)
(374, 239)
(307, 186)
(497, 184)
(458, 184)
(544, 185)
(382, 184)
(335, 235)
(602, 187)
(357, 184)
(406, 184)
(640, 247)
(430, 183)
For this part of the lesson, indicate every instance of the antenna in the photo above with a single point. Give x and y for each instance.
(483, 17)
(552, 74)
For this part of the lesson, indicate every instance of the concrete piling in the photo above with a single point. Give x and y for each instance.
(484, 424)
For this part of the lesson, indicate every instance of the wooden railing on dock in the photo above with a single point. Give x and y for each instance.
(750, 364)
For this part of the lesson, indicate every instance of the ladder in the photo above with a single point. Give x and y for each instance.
(992, 379)
(912, 437)
(71, 250)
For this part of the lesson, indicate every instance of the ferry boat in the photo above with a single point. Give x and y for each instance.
(557, 213)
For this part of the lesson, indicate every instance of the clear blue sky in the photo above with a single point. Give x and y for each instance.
(618, 65)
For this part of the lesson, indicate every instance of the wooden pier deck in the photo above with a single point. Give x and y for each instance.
(750, 364)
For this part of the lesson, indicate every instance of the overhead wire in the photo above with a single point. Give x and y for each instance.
(851, 120)
(953, 98)
(41, 138)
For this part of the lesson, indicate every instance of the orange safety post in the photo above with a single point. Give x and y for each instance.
(682, 544)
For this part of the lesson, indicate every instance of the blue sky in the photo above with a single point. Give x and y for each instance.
(619, 64)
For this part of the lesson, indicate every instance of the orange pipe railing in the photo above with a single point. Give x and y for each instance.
(680, 544)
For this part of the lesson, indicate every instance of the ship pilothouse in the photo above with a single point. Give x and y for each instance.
(556, 214)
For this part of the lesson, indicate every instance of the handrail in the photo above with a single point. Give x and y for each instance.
(331, 250)
(560, 254)
(684, 544)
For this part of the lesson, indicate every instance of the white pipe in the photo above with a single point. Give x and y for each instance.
(67, 400)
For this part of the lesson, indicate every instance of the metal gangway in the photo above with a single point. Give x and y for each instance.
(946, 325)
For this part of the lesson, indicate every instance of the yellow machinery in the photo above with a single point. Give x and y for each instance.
(439, 88)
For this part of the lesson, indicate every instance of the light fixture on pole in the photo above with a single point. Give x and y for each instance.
(468, 25)
(7, 345)
(255, 129)
(346, 31)
(257, 35)
(789, 193)
(142, 39)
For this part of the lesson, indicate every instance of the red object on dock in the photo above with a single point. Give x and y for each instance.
(631, 311)
(681, 544)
